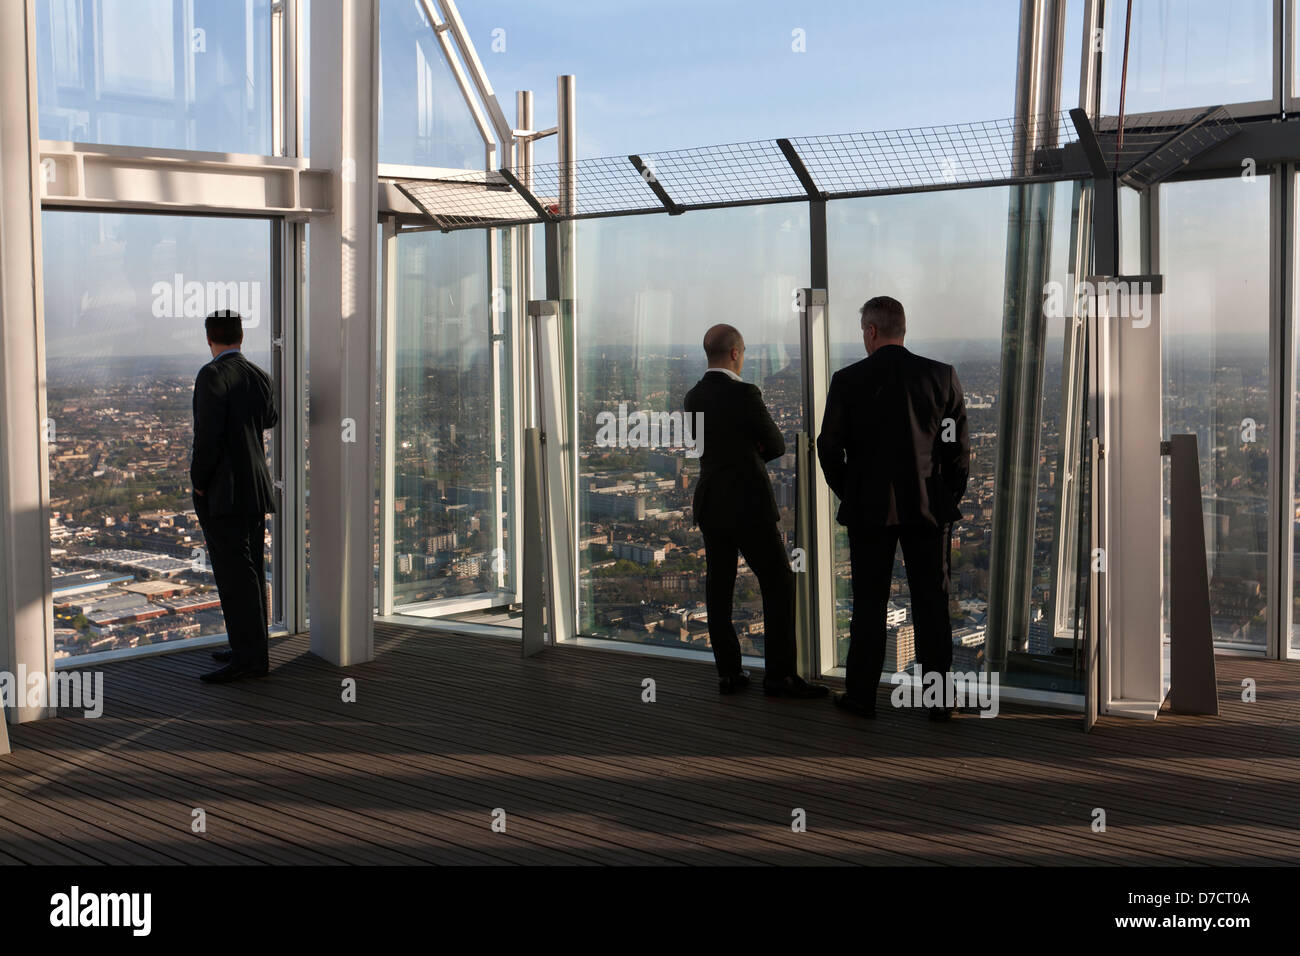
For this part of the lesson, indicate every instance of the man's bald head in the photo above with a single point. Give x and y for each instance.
(719, 342)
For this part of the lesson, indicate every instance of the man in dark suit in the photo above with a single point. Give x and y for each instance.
(895, 450)
(234, 403)
(737, 514)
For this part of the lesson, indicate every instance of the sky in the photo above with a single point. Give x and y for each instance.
(659, 75)
(668, 74)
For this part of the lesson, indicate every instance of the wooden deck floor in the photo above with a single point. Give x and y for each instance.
(446, 729)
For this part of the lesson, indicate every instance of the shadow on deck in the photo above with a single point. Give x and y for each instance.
(446, 729)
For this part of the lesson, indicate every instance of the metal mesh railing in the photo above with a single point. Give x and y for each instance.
(994, 152)
(935, 157)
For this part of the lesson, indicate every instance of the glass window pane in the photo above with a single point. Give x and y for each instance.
(648, 289)
(1187, 53)
(125, 297)
(423, 117)
(175, 74)
(1214, 257)
(942, 256)
(449, 495)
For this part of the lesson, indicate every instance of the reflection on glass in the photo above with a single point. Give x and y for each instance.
(423, 119)
(125, 297)
(648, 289)
(1188, 53)
(1214, 256)
(450, 498)
(942, 256)
(176, 74)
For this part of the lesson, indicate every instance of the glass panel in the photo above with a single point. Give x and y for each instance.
(125, 297)
(450, 525)
(1215, 260)
(178, 74)
(648, 289)
(1186, 53)
(942, 256)
(423, 118)
(1060, 526)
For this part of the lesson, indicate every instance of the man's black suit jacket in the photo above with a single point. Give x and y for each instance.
(739, 438)
(894, 442)
(234, 402)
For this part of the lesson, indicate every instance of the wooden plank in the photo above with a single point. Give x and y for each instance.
(447, 726)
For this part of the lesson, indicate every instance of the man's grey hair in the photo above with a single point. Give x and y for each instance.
(886, 314)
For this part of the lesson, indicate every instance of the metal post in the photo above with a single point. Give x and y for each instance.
(565, 252)
(524, 170)
(388, 416)
(1024, 334)
(560, 498)
(1282, 388)
(815, 518)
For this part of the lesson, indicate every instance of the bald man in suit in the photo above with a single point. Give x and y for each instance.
(737, 514)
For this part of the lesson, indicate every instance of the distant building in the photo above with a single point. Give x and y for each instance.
(615, 506)
(895, 615)
(640, 553)
(900, 648)
(86, 582)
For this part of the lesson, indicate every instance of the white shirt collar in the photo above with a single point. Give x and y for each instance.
(726, 371)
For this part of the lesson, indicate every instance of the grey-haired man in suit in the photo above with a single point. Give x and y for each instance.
(895, 449)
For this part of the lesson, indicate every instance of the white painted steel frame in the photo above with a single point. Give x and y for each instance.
(819, 635)
(559, 492)
(344, 140)
(26, 610)
(147, 179)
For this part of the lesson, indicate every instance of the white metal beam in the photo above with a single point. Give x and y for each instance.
(343, 249)
(89, 176)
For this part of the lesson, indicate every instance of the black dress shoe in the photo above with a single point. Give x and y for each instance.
(221, 657)
(733, 682)
(233, 672)
(794, 686)
(855, 706)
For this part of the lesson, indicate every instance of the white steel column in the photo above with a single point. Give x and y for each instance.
(344, 107)
(26, 622)
(1133, 550)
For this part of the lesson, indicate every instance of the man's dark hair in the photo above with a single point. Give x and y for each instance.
(225, 327)
(720, 340)
(886, 314)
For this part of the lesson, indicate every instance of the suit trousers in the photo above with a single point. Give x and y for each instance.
(764, 550)
(235, 551)
(927, 558)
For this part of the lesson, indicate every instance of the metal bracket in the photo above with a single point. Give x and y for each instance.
(651, 180)
(527, 195)
(800, 170)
